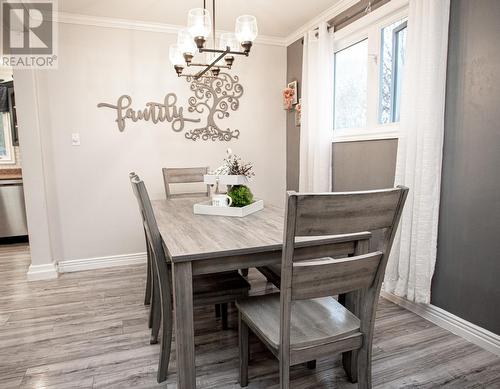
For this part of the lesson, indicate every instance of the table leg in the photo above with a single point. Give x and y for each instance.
(184, 328)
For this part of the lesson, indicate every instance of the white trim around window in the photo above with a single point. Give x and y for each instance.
(370, 27)
(382, 131)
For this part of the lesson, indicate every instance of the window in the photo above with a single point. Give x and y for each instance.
(391, 71)
(350, 86)
(369, 58)
(6, 149)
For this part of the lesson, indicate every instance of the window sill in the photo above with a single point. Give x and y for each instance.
(7, 162)
(357, 135)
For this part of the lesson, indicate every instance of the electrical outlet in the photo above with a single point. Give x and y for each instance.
(75, 139)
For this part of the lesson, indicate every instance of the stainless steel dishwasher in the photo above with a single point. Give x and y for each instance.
(12, 209)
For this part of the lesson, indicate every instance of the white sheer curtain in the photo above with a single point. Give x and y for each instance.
(316, 132)
(411, 265)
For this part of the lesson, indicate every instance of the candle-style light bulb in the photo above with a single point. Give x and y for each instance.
(246, 31)
(199, 25)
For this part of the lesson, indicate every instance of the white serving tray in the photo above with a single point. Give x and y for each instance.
(206, 208)
(227, 179)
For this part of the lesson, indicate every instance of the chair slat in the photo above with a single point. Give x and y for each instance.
(345, 213)
(329, 277)
(184, 176)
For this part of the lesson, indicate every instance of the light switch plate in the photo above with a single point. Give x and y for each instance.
(75, 139)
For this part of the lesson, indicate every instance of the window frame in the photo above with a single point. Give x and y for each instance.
(10, 158)
(370, 27)
(395, 62)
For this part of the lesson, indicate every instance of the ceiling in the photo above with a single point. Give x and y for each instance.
(277, 18)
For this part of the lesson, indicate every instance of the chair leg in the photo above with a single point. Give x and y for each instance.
(151, 295)
(166, 344)
(217, 310)
(152, 288)
(151, 313)
(284, 375)
(365, 366)
(223, 311)
(244, 351)
(352, 301)
(147, 295)
(311, 365)
(155, 313)
(350, 362)
(244, 272)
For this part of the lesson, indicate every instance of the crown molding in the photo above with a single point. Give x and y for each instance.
(129, 24)
(326, 15)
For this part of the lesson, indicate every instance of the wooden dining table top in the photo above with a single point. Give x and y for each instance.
(188, 236)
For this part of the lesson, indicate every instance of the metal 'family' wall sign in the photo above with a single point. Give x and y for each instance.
(213, 96)
(155, 112)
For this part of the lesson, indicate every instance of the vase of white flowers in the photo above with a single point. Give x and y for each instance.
(235, 174)
(234, 171)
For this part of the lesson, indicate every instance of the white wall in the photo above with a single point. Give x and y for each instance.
(91, 209)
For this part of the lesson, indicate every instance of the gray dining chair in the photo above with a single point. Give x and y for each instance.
(148, 292)
(189, 175)
(220, 288)
(304, 322)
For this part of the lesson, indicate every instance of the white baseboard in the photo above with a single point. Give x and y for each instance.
(42, 272)
(101, 262)
(444, 319)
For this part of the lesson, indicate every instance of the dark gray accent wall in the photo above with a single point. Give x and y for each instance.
(466, 280)
(364, 165)
(293, 72)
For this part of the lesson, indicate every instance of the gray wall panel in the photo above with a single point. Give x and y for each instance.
(293, 72)
(364, 165)
(466, 280)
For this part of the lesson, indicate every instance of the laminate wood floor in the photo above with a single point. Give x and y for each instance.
(89, 330)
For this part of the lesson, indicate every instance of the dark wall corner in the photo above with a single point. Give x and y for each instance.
(293, 72)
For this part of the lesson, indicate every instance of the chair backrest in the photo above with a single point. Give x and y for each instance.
(337, 214)
(184, 176)
(154, 239)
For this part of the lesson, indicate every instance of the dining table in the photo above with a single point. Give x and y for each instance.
(205, 244)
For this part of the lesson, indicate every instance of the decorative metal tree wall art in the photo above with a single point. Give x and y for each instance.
(216, 96)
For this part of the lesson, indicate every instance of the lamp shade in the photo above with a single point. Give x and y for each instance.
(185, 42)
(246, 28)
(228, 39)
(199, 23)
(175, 55)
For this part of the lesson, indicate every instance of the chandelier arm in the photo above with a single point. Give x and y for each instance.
(201, 73)
(203, 50)
(204, 64)
(194, 75)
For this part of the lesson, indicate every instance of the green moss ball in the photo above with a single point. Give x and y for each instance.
(241, 195)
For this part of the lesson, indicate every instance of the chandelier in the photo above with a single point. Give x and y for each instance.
(192, 39)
